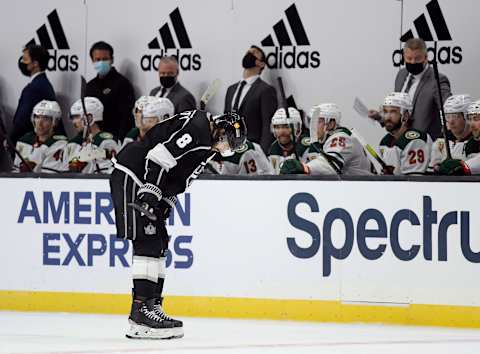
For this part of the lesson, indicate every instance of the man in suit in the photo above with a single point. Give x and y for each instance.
(112, 89)
(254, 99)
(170, 88)
(418, 80)
(33, 64)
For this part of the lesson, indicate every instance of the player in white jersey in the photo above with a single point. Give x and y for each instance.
(148, 111)
(405, 150)
(288, 144)
(470, 164)
(459, 132)
(249, 159)
(91, 150)
(342, 153)
(42, 150)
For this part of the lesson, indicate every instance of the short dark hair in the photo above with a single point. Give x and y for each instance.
(260, 50)
(39, 54)
(101, 46)
(416, 44)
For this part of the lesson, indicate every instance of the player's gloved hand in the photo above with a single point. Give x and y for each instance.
(166, 206)
(388, 170)
(27, 167)
(454, 167)
(292, 167)
(76, 165)
(150, 195)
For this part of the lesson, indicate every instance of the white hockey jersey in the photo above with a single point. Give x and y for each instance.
(472, 155)
(42, 157)
(410, 154)
(93, 156)
(342, 153)
(249, 159)
(277, 154)
(439, 151)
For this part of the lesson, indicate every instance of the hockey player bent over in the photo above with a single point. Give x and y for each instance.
(148, 111)
(341, 153)
(459, 132)
(91, 150)
(470, 164)
(148, 176)
(41, 149)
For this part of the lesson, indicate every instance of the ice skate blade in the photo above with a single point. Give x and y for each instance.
(137, 331)
(177, 332)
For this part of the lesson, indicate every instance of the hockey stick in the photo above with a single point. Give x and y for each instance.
(441, 111)
(87, 130)
(285, 106)
(143, 209)
(211, 91)
(83, 89)
(369, 149)
(3, 132)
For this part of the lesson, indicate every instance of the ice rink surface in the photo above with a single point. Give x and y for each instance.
(36, 333)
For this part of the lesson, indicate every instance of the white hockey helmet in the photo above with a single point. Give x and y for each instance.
(47, 109)
(159, 107)
(399, 99)
(326, 111)
(294, 119)
(457, 104)
(474, 108)
(93, 107)
(140, 103)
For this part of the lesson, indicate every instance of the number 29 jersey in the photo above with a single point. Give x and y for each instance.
(410, 154)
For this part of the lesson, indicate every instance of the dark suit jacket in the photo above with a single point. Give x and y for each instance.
(37, 90)
(257, 107)
(181, 98)
(116, 93)
(426, 116)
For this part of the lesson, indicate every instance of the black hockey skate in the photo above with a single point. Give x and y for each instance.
(177, 325)
(146, 324)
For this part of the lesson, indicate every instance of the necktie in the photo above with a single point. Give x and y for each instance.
(409, 83)
(162, 92)
(239, 93)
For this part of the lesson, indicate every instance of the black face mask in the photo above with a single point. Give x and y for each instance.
(23, 68)
(414, 69)
(248, 61)
(168, 81)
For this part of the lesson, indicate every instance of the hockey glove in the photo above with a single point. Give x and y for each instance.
(29, 166)
(148, 201)
(454, 167)
(293, 167)
(388, 170)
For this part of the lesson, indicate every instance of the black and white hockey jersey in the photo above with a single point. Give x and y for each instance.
(172, 154)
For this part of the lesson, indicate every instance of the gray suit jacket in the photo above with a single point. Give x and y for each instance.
(181, 98)
(426, 116)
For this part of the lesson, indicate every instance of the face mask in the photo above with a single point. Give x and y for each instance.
(168, 81)
(102, 67)
(248, 61)
(23, 68)
(414, 69)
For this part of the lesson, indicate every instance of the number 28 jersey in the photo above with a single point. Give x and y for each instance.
(410, 154)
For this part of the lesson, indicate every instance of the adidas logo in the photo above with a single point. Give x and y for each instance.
(186, 61)
(290, 58)
(444, 55)
(57, 62)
